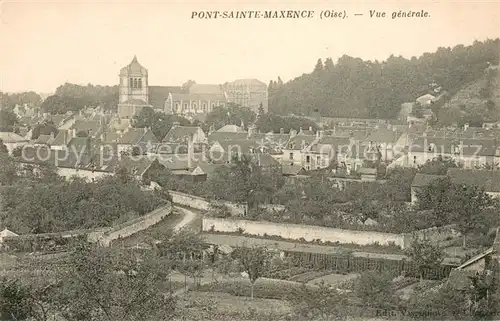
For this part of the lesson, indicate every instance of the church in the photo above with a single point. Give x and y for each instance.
(192, 103)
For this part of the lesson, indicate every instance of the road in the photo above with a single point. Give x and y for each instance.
(189, 217)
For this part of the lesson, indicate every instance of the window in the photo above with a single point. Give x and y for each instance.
(139, 83)
(186, 105)
(291, 156)
(414, 159)
(318, 159)
(308, 159)
(204, 107)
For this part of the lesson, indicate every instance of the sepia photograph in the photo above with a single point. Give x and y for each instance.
(249, 160)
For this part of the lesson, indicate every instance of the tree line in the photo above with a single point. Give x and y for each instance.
(371, 89)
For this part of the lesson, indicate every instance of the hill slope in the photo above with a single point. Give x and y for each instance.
(356, 88)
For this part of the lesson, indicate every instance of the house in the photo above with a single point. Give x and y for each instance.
(12, 140)
(385, 139)
(62, 139)
(142, 169)
(44, 140)
(136, 138)
(294, 151)
(426, 100)
(92, 128)
(180, 134)
(419, 181)
(5, 233)
(69, 163)
(368, 174)
(483, 264)
(468, 153)
(231, 129)
(489, 180)
(325, 151)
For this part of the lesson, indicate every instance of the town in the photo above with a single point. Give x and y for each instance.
(358, 191)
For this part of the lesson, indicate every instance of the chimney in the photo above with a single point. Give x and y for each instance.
(300, 130)
(310, 128)
(73, 133)
(282, 131)
(145, 130)
(293, 133)
(52, 135)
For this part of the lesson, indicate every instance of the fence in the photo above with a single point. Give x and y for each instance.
(348, 263)
(52, 242)
(200, 203)
(307, 232)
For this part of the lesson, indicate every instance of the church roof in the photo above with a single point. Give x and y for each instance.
(205, 89)
(158, 94)
(134, 68)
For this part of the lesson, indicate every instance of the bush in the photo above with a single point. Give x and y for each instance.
(262, 289)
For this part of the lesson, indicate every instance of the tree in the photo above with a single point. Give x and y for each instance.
(45, 128)
(187, 85)
(7, 120)
(159, 122)
(323, 303)
(351, 84)
(231, 114)
(3, 148)
(184, 249)
(115, 284)
(254, 261)
(424, 254)
(437, 166)
(468, 206)
(374, 289)
(261, 110)
(20, 301)
(319, 66)
(8, 170)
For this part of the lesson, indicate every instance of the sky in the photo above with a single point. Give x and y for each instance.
(47, 43)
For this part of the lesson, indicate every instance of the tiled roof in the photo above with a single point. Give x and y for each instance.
(421, 180)
(221, 136)
(61, 139)
(264, 160)
(134, 165)
(248, 82)
(43, 139)
(291, 169)
(383, 135)
(133, 68)
(89, 126)
(198, 96)
(158, 94)
(297, 142)
(35, 155)
(138, 135)
(208, 168)
(470, 147)
(11, 137)
(489, 180)
(244, 146)
(231, 129)
(205, 89)
(178, 134)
